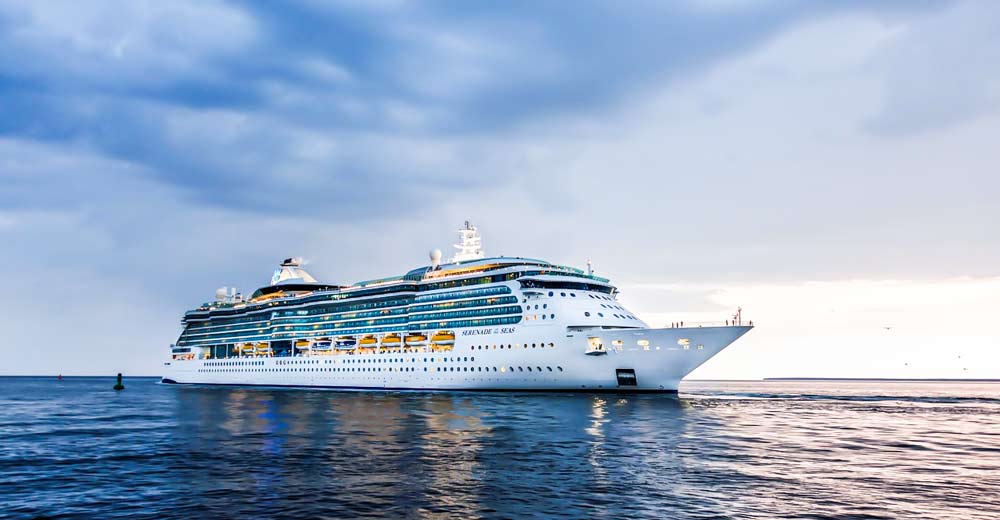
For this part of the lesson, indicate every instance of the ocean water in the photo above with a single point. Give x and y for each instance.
(76, 449)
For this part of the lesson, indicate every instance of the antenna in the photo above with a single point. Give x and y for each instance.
(590, 268)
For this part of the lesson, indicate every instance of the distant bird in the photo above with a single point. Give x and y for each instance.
(887, 328)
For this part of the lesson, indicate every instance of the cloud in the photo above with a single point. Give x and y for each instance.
(222, 98)
(155, 151)
(940, 70)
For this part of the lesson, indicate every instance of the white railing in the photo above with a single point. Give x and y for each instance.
(696, 324)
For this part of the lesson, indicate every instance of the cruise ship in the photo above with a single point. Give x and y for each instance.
(470, 323)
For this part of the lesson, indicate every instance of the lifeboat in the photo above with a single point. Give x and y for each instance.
(247, 349)
(348, 343)
(391, 340)
(443, 337)
(263, 348)
(368, 341)
(322, 344)
(416, 340)
(302, 345)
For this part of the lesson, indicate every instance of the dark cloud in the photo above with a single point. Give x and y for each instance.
(153, 151)
(222, 99)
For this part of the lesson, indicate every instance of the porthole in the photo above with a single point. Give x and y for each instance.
(587, 313)
(550, 293)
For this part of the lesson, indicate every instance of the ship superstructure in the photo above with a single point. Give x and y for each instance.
(473, 323)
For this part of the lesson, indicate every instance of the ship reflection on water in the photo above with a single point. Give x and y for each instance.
(468, 454)
(726, 450)
(457, 453)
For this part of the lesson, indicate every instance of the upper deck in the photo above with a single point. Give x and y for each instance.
(421, 279)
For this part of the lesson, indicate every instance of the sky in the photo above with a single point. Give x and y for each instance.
(830, 167)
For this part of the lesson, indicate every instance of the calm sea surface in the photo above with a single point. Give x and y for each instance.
(75, 448)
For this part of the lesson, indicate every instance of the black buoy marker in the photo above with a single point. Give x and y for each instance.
(119, 385)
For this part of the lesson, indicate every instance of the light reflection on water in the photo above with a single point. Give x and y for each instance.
(720, 450)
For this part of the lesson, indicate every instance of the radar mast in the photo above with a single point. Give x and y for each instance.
(470, 244)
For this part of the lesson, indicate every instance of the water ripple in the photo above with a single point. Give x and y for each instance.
(75, 449)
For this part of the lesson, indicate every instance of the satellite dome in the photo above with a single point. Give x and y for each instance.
(435, 255)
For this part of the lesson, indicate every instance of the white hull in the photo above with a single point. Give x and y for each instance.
(498, 323)
(481, 360)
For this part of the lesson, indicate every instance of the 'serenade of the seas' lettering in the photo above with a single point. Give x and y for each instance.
(498, 330)
(469, 323)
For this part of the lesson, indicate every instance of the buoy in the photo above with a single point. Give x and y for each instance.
(119, 385)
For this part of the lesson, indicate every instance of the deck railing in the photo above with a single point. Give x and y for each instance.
(696, 324)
